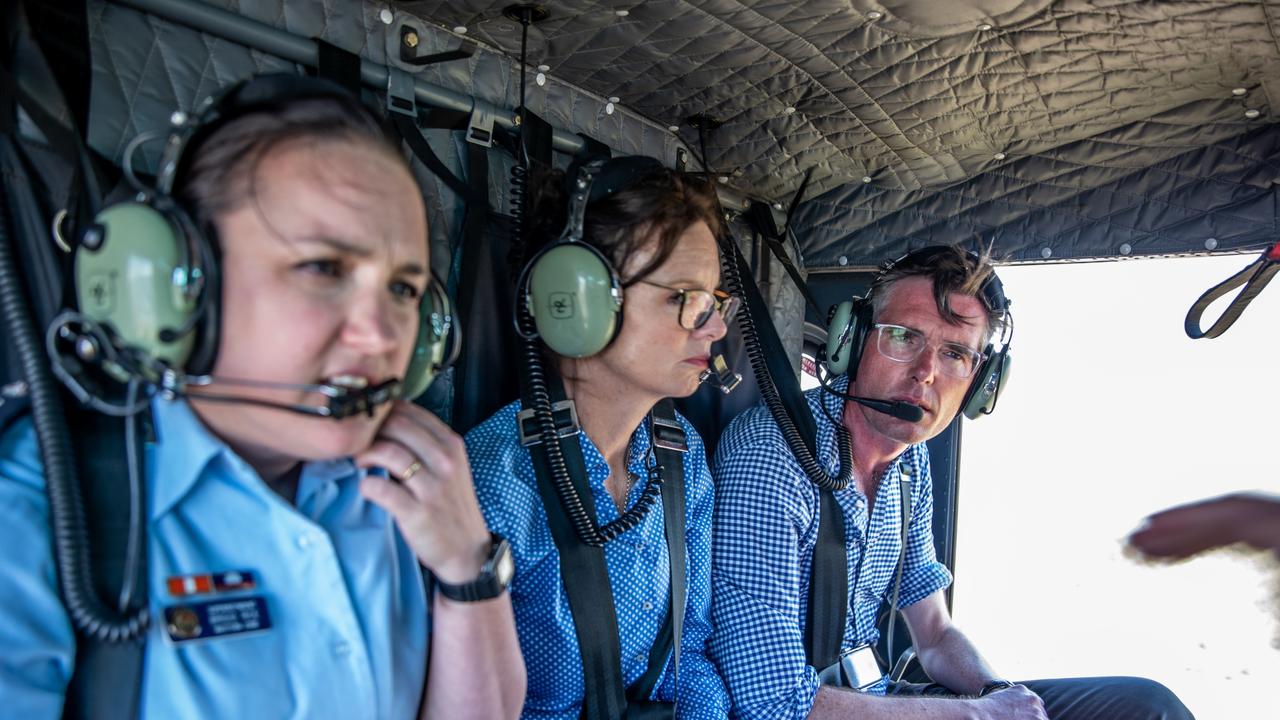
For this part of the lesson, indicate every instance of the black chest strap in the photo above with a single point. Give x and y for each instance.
(584, 572)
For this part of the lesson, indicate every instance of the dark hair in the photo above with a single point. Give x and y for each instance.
(953, 271)
(216, 172)
(661, 204)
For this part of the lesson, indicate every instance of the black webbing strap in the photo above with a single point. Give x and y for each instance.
(828, 587)
(1254, 278)
(761, 219)
(586, 580)
(904, 491)
(667, 643)
(339, 65)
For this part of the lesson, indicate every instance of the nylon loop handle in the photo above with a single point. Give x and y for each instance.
(1253, 279)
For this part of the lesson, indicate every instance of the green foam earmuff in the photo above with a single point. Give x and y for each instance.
(135, 272)
(575, 299)
(570, 288)
(436, 345)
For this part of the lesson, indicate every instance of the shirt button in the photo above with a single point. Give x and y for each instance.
(342, 648)
(647, 605)
(641, 546)
(304, 541)
(639, 658)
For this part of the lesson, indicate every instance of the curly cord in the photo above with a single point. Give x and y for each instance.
(769, 391)
(66, 510)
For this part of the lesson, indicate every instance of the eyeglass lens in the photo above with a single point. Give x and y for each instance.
(903, 344)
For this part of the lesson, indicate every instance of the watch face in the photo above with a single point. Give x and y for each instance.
(505, 567)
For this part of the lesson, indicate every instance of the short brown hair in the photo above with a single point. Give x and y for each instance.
(953, 271)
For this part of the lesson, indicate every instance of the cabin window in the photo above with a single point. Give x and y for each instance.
(1112, 413)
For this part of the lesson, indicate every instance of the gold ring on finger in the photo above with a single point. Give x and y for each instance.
(410, 471)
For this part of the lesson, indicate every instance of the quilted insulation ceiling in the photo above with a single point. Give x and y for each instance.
(1057, 130)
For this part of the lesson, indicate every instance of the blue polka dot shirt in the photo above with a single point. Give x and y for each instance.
(766, 526)
(639, 574)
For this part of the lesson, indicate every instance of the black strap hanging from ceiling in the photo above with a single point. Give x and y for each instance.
(339, 65)
(827, 609)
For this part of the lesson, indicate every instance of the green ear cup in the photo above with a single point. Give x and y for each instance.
(575, 299)
(431, 347)
(838, 352)
(988, 383)
(137, 281)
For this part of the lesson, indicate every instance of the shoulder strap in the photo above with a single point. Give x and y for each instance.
(583, 572)
(828, 607)
(907, 504)
(669, 447)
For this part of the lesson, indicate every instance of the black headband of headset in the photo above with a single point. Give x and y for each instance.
(991, 293)
(615, 175)
(258, 94)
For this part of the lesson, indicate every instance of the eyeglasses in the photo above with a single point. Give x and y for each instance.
(697, 306)
(904, 344)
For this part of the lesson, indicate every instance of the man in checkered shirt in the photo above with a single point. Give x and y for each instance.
(933, 311)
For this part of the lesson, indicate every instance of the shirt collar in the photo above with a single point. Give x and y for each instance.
(183, 448)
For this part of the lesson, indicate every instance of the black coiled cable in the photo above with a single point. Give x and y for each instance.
(769, 391)
(583, 522)
(66, 510)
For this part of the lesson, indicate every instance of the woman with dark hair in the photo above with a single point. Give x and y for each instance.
(616, 343)
(284, 566)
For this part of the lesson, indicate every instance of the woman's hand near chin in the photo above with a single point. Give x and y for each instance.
(429, 492)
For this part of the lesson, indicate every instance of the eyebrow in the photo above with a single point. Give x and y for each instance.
(342, 246)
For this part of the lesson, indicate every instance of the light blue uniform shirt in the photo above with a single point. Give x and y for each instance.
(639, 574)
(344, 593)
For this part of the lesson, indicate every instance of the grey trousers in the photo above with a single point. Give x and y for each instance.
(1096, 698)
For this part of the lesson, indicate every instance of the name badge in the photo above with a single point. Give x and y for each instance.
(216, 618)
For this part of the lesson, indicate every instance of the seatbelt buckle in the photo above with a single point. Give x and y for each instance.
(857, 669)
(565, 414)
(480, 128)
(669, 435)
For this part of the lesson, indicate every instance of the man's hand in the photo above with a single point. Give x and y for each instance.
(1187, 530)
(430, 494)
(1015, 703)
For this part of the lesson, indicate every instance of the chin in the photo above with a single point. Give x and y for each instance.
(324, 439)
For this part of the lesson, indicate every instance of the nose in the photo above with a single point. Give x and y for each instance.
(714, 328)
(370, 325)
(925, 366)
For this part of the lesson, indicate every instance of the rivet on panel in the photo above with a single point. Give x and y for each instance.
(843, 260)
(622, 13)
(874, 15)
(1046, 252)
(544, 68)
(410, 39)
(999, 156)
(386, 16)
(1240, 92)
(739, 172)
(777, 206)
(1211, 244)
(1126, 248)
(460, 29)
(866, 179)
(608, 108)
(673, 128)
(723, 179)
(540, 78)
(985, 27)
(615, 99)
(790, 110)
(178, 118)
(1252, 113)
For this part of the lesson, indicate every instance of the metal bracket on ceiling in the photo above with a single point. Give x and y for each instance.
(410, 39)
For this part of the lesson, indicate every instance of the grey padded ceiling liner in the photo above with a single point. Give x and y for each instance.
(1055, 130)
(1059, 129)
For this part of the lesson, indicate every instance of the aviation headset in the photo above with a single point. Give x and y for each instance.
(150, 273)
(571, 289)
(851, 322)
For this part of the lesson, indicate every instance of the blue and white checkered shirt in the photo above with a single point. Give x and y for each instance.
(638, 573)
(765, 528)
